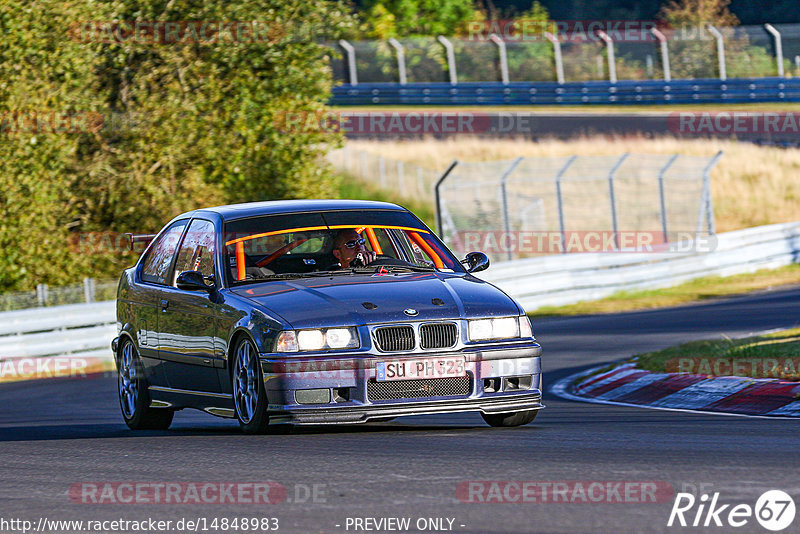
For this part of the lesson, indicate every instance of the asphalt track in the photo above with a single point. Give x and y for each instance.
(56, 433)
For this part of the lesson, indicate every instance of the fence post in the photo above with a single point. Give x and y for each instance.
(611, 173)
(400, 177)
(451, 58)
(712, 226)
(382, 171)
(662, 41)
(661, 174)
(438, 197)
(401, 59)
(778, 47)
(720, 51)
(88, 289)
(41, 294)
(503, 178)
(351, 61)
(557, 54)
(501, 48)
(612, 63)
(561, 228)
(363, 164)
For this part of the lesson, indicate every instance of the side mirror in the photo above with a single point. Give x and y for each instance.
(476, 262)
(192, 281)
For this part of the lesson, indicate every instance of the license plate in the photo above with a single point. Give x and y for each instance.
(419, 369)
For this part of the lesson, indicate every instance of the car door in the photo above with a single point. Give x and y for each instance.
(154, 273)
(187, 319)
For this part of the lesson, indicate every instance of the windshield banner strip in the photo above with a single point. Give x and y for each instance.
(332, 227)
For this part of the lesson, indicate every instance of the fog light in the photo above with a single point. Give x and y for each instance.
(341, 394)
(491, 385)
(516, 383)
(312, 396)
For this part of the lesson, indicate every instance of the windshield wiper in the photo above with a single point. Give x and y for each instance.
(404, 268)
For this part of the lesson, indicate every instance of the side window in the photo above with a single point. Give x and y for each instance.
(197, 250)
(159, 258)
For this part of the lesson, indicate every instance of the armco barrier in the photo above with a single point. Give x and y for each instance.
(701, 91)
(78, 332)
(569, 278)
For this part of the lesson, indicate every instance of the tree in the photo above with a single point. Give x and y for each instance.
(420, 17)
(203, 120)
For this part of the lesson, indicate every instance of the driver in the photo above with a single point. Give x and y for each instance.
(348, 247)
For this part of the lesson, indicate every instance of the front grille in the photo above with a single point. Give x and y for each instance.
(394, 338)
(417, 389)
(438, 335)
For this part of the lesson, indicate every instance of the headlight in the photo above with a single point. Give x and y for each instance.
(501, 328)
(318, 339)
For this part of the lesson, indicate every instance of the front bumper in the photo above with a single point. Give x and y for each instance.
(348, 379)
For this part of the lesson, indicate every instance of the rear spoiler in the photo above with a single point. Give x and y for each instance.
(140, 238)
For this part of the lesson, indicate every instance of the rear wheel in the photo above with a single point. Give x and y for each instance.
(249, 396)
(510, 419)
(134, 397)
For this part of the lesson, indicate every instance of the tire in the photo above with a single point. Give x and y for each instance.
(510, 419)
(249, 395)
(134, 396)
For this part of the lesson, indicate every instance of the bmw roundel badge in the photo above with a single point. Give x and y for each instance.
(410, 311)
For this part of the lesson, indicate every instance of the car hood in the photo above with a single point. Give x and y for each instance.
(349, 299)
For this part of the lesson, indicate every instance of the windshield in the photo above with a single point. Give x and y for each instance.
(341, 243)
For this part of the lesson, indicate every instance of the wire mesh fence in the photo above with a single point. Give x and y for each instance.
(406, 180)
(692, 53)
(528, 206)
(90, 290)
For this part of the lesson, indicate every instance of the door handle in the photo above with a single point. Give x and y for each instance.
(164, 305)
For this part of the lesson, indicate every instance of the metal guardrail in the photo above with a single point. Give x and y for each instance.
(570, 278)
(639, 92)
(81, 331)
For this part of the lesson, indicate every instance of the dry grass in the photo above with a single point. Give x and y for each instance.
(752, 185)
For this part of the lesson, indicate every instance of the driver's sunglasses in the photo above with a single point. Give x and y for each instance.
(354, 243)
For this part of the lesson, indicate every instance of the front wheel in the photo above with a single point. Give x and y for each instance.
(134, 397)
(510, 419)
(249, 396)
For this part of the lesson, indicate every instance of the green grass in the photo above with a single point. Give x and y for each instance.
(696, 290)
(354, 189)
(768, 356)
